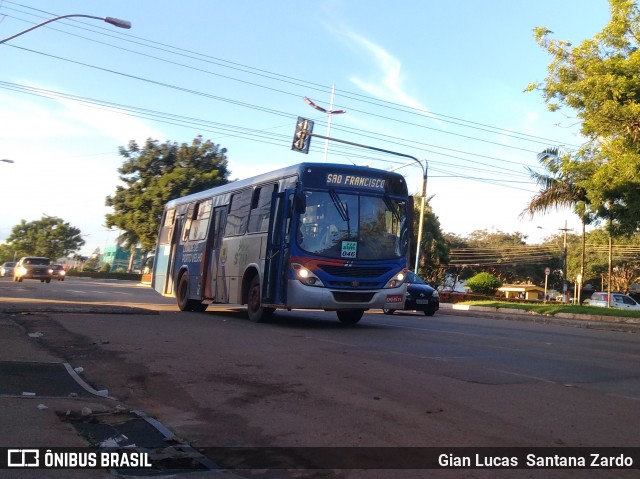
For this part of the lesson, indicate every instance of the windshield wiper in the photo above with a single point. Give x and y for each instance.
(391, 206)
(343, 211)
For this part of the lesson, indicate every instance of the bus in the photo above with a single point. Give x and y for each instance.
(310, 236)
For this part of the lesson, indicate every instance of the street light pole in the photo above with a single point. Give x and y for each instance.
(7, 161)
(422, 206)
(113, 21)
(330, 112)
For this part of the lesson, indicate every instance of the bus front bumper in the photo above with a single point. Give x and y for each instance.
(301, 296)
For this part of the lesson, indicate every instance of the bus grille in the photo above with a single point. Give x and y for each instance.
(350, 297)
(355, 271)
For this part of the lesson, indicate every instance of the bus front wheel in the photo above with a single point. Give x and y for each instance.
(256, 312)
(350, 316)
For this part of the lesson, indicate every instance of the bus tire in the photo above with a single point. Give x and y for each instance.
(350, 316)
(256, 312)
(182, 296)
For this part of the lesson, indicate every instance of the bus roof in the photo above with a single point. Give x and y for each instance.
(282, 173)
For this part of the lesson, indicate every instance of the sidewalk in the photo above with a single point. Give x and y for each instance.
(29, 419)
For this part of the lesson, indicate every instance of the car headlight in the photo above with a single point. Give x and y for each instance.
(50, 271)
(62, 272)
(397, 280)
(435, 294)
(21, 270)
(305, 276)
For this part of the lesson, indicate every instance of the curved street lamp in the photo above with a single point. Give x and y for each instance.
(330, 113)
(7, 161)
(113, 21)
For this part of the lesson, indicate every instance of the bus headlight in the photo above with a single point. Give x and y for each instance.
(397, 280)
(305, 276)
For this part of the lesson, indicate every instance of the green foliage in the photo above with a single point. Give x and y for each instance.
(49, 236)
(105, 268)
(484, 283)
(156, 173)
(625, 261)
(505, 255)
(434, 251)
(555, 308)
(598, 79)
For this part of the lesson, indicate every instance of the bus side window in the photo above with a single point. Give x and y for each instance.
(260, 209)
(167, 227)
(238, 216)
(200, 225)
(192, 211)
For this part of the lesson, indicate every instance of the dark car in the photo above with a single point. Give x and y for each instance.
(420, 296)
(33, 267)
(58, 272)
(7, 268)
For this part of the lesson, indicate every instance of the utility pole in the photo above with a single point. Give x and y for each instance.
(565, 287)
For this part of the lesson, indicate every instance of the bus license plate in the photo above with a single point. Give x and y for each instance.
(394, 298)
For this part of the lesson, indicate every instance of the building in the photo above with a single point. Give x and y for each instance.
(522, 291)
(118, 258)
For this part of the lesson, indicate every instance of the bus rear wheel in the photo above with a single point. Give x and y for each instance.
(256, 312)
(350, 316)
(182, 295)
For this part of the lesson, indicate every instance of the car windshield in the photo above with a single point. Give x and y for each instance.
(9, 265)
(414, 278)
(37, 261)
(353, 226)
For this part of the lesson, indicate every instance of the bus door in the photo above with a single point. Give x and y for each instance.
(165, 254)
(278, 241)
(214, 284)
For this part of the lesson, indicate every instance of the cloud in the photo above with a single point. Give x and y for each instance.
(391, 86)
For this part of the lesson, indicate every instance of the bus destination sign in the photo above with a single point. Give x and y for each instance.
(356, 181)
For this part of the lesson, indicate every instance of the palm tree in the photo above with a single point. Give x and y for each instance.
(558, 188)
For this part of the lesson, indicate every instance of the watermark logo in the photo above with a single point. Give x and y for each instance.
(23, 458)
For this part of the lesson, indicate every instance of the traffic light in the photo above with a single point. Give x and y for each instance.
(302, 136)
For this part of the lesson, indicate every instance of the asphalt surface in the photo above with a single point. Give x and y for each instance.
(45, 402)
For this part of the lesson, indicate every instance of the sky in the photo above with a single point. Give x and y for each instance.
(442, 81)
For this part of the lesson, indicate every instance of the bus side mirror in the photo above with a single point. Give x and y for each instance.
(300, 203)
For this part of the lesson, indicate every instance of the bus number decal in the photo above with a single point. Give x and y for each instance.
(242, 255)
(349, 249)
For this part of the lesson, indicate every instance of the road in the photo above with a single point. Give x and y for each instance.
(306, 380)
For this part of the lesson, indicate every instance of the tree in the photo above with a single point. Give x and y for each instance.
(625, 262)
(559, 186)
(504, 255)
(49, 236)
(484, 283)
(599, 81)
(434, 252)
(156, 173)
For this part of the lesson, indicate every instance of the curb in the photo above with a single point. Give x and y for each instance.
(611, 323)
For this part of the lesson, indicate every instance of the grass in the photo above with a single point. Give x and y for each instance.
(555, 308)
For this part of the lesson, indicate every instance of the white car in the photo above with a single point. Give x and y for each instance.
(7, 268)
(618, 300)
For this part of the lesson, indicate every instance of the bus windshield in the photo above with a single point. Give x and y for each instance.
(355, 226)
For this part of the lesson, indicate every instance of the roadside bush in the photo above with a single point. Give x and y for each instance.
(105, 268)
(484, 283)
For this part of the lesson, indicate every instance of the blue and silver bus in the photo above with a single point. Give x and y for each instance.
(310, 236)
